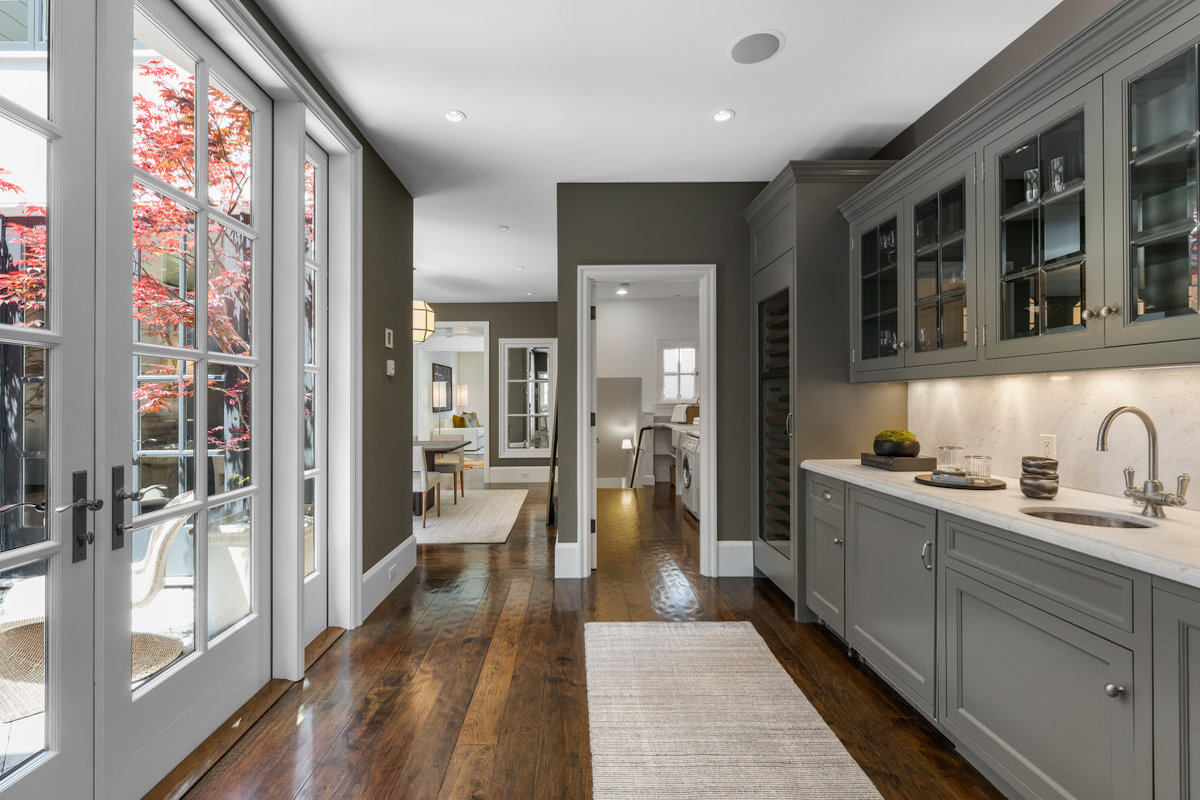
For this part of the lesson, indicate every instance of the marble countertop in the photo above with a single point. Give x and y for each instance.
(1170, 550)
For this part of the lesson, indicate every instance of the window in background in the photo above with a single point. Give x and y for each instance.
(679, 376)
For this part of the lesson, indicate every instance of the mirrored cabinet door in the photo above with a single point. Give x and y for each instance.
(1153, 125)
(1044, 263)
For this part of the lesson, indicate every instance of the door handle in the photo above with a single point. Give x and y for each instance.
(79, 506)
(787, 424)
(120, 495)
(926, 552)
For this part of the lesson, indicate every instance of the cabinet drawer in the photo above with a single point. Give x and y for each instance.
(1094, 592)
(826, 492)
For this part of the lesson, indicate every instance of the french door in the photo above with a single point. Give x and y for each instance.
(47, 386)
(184, 633)
(316, 313)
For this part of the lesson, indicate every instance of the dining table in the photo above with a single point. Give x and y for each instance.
(433, 449)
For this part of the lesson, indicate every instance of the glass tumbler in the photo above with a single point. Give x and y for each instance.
(950, 459)
(979, 467)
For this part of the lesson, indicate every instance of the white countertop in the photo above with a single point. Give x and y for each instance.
(1170, 550)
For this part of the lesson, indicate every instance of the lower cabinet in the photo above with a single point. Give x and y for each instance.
(825, 537)
(891, 593)
(1177, 693)
(1046, 704)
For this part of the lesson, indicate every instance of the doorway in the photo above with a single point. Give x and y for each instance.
(701, 374)
(459, 353)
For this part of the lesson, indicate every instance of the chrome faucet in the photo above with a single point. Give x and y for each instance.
(1151, 493)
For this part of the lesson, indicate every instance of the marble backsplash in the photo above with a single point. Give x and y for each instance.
(1003, 416)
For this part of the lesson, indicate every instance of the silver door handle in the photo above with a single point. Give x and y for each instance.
(139, 495)
(35, 506)
(1114, 690)
(925, 553)
(787, 424)
(90, 505)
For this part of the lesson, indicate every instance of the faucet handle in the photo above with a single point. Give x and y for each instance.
(1182, 486)
(1128, 479)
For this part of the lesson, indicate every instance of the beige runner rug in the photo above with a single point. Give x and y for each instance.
(483, 516)
(704, 710)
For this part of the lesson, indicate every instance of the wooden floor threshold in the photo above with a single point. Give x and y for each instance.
(188, 772)
(317, 647)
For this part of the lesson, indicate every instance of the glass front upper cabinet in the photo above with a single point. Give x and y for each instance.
(879, 296)
(940, 280)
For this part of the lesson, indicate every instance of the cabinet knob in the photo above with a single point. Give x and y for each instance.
(1113, 690)
(837, 540)
(1087, 314)
(826, 495)
(1108, 311)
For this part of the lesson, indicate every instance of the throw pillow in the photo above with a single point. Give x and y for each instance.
(472, 418)
(459, 421)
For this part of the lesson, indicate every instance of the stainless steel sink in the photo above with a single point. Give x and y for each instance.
(1081, 516)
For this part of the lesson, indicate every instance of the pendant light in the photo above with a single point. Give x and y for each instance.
(422, 321)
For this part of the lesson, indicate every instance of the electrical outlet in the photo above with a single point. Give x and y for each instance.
(1048, 443)
(392, 574)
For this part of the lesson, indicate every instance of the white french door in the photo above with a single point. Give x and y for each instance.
(47, 380)
(184, 631)
(316, 315)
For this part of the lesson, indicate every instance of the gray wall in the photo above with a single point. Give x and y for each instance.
(505, 321)
(664, 223)
(387, 300)
(1060, 23)
(618, 416)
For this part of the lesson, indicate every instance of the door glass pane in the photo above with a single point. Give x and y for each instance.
(310, 210)
(164, 109)
(310, 320)
(229, 261)
(310, 526)
(1064, 298)
(164, 270)
(24, 443)
(310, 420)
(164, 403)
(23, 220)
(228, 427)
(229, 154)
(228, 565)
(774, 450)
(1164, 279)
(25, 52)
(163, 575)
(22, 663)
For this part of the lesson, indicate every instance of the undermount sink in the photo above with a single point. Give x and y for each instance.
(1081, 516)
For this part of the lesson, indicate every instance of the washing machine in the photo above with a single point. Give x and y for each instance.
(688, 475)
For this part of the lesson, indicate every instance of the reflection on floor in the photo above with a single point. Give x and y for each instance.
(468, 681)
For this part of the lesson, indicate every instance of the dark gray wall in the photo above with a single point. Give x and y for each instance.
(387, 300)
(1060, 23)
(664, 223)
(505, 321)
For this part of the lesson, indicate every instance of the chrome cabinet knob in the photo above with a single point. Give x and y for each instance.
(1108, 311)
(1087, 314)
(1113, 690)
(826, 496)
(837, 541)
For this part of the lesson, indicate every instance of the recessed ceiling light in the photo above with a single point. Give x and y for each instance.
(501, 227)
(529, 294)
(519, 268)
(454, 115)
(723, 115)
(623, 289)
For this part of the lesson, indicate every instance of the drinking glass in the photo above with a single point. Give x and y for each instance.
(979, 467)
(950, 459)
(1032, 185)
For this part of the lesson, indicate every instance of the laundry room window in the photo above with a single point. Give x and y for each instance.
(679, 375)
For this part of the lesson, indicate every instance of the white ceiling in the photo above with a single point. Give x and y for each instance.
(622, 90)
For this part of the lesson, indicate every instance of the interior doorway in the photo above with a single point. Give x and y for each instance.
(680, 374)
(458, 356)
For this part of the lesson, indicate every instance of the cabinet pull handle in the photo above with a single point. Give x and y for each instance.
(925, 554)
(837, 540)
(1114, 690)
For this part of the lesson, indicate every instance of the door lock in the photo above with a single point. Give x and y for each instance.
(79, 507)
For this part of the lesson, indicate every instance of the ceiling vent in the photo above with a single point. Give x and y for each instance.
(756, 47)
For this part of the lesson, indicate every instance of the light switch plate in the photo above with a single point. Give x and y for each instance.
(388, 339)
(391, 368)
(1048, 445)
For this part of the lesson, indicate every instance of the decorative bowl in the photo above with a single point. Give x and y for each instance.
(885, 447)
(1039, 487)
(1039, 465)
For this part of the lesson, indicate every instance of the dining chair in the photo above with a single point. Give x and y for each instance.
(423, 482)
(453, 463)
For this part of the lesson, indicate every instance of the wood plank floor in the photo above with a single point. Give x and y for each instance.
(469, 682)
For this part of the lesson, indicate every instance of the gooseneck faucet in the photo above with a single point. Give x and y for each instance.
(1151, 493)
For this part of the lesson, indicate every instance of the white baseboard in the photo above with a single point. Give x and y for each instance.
(611, 483)
(566, 560)
(376, 581)
(735, 559)
(518, 474)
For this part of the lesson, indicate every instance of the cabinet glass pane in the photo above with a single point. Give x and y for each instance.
(888, 335)
(1164, 279)
(1064, 298)
(954, 322)
(953, 267)
(925, 224)
(1062, 228)
(925, 275)
(880, 290)
(888, 290)
(887, 244)
(1061, 165)
(926, 335)
(1018, 242)
(23, 649)
(870, 338)
(1162, 191)
(1021, 307)
(1162, 104)
(870, 252)
(952, 211)
(1013, 169)
(24, 445)
(870, 295)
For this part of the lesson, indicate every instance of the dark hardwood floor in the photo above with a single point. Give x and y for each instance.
(468, 681)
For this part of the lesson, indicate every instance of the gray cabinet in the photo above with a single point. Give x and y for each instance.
(891, 598)
(826, 563)
(1045, 704)
(1176, 692)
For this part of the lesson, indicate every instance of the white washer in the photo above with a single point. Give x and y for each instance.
(689, 475)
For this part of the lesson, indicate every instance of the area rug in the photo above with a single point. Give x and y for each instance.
(484, 516)
(704, 710)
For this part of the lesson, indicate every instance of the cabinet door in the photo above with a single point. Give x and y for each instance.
(1176, 695)
(826, 565)
(891, 599)
(1030, 694)
(1152, 133)
(941, 288)
(878, 312)
(1043, 261)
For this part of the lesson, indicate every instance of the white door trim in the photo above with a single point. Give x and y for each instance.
(585, 376)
